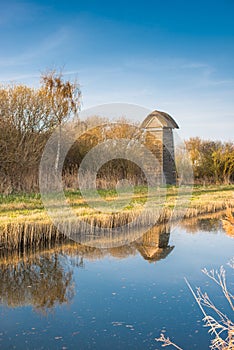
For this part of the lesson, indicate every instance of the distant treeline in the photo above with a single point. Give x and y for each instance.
(28, 117)
(212, 161)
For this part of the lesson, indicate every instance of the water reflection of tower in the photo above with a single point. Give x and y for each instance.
(154, 244)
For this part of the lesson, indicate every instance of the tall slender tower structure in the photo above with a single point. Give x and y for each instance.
(161, 125)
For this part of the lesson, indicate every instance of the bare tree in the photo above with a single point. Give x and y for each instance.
(63, 100)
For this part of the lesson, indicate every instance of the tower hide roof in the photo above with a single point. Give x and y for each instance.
(164, 119)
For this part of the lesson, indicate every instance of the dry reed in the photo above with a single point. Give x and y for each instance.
(26, 224)
(28, 234)
(219, 325)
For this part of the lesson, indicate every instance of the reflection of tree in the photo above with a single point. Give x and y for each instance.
(42, 282)
(44, 279)
(228, 223)
(205, 223)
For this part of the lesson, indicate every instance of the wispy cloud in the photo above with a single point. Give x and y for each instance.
(19, 77)
(13, 12)
(194, 65)
(38, 50)
(165, 63)
(198, 74)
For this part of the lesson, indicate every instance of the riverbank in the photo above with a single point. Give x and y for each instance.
(18, 208)
(24, 221)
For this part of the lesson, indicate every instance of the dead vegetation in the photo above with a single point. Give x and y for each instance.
(25, 223)
(219, 325)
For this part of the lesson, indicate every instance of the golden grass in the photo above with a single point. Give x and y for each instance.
(24, 222)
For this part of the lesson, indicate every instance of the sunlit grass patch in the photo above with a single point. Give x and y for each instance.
(29, 207)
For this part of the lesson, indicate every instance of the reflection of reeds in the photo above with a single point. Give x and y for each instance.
(228, 223)
(155, 240)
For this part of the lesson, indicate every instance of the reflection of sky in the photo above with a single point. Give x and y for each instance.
(176, 56)
(124, 304)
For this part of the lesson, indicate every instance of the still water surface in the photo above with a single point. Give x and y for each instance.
(76, 297)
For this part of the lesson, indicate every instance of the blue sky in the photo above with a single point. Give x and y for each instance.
(175, 56)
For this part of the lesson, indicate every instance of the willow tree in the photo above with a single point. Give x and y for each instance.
(223, 159)
(23, 133)
(212, 161)
(63, 101)
(28, 116)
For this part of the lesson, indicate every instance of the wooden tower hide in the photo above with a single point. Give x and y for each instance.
(159, 128)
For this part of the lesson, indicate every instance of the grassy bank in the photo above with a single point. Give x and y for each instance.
(24, 221)
(20, 208)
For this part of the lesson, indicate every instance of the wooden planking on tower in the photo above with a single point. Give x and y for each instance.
(159, 130)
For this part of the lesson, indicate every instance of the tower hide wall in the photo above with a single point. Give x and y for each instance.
(169, 168)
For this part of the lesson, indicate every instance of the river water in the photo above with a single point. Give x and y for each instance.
(76, 297)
